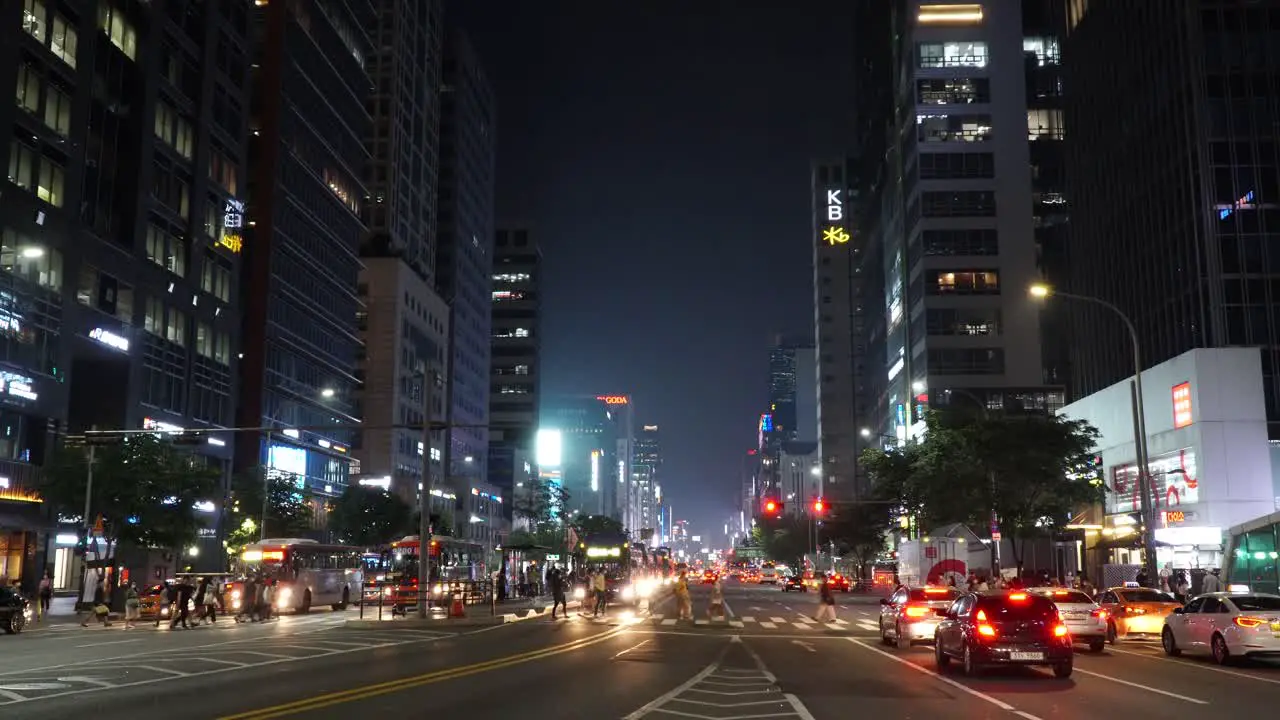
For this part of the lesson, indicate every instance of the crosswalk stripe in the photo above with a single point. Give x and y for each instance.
(777, 620)
(736, 623)
(656, 617)
(803, 626)
(748, 618)
(699, 622)
(769, 625)
(833, 626)
(669, 621)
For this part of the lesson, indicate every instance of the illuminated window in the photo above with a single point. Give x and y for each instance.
(118, 29)
(22, 165)
(174, 130)
(215, 279)
(63, 40)
(35, 20)
(341, 188)
(953, 91)
(57, 111)
(952, 54)
(52, 177)
(953, 128)
(1045, 49)
(949, 14)
(27, 92)
(1044, 124)
(223, 171)
(175, 328)
(26, 258)
(964, 282)
(153, 316)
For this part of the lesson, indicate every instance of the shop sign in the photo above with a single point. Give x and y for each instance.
(1182, 416)
(232, 224)
(1174, 478)
(1178, 517)
(614, 399)
(19, 386)
(110, 339)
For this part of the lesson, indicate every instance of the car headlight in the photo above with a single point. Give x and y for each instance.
(388, 590)
(235, 594)
(628, 592)
(282, 600)
(579, 593)
(164, 610)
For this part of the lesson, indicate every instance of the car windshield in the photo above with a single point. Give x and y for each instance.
(1145, 595)
(1069, 597)
(1255, 603)
(933, 595)
(1006, 609)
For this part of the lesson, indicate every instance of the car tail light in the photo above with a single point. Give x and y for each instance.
(1099, 613)
(916, 611)
(1245, 621)
(985, 629)
(1134, 610)
(1017, 597)
(1060, 630)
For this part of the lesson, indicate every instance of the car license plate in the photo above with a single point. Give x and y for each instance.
(1026, 656)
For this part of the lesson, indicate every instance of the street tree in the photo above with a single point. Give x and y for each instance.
(369, 517)
(785, 539)
(288, 514)
(588, 525)
(860, 529)
(540, 503)
(145, 490)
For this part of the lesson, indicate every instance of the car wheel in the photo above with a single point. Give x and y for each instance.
(1169, 644)
(1221, 653)
(970, 667)
(884, 636)
(1096, 645)
(903, 642)
(1111, 633)
(1062, 670)
(14, 626)
(941, 659)
(306, 603)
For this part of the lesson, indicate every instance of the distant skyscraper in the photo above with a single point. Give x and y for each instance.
(793, 393)
(302, 265)
(464, 260)
(646, 473)
(588, 441)
(404, 324)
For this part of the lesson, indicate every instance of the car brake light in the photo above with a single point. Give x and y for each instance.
(935, 591)
(916, 611)
(1135, 610)
(1059, 630)
(1099, 613)
(1245, 621)
(984, 628)
(1017, 597)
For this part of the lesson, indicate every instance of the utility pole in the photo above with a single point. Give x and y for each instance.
(88, 525)
(424, 498)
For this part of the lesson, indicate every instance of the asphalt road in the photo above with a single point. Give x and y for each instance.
(623, 666)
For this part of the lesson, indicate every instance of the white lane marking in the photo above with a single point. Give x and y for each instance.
(804, 645)
(658, 702)
(799, 707)
(957, 685)
(1144, 687)
(728, 611)
(777, 619)
(13, 696)
(633, 647)
(113, 642)
(748, 618)
(153, 668)
(1200, 666)
(769, 625)
(218, 661)
(729, 705)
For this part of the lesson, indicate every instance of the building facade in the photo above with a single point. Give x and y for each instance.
(800, 475)
(120, 222)
(958, 207)
(1183, 216)
(301, 338)
(585, 438)
(464, 254)
(646, 476)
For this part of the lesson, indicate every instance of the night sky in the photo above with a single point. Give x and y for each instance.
(660, 153)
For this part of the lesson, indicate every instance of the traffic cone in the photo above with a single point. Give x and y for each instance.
(456, 608)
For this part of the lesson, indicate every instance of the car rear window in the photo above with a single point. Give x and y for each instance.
(1070, 597)
(1256, 604)
(1032, 607)
(1145, 595)
(933, 595)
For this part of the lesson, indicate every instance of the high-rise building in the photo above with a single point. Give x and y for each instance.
(301, 249)
(404, 323)
(120, 221)
(1175, 224)
(464, 256)
(793, 393)
(587, 439)
(646, 474)
(965, 190)
(515, 365)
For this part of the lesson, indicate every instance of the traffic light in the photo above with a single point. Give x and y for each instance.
(819, 507)
(772, 508)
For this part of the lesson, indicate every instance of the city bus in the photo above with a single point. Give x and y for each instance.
(453, 562)
(307, 573)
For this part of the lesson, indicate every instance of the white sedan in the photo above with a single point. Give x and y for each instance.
(1226, 626)
(1086, 621)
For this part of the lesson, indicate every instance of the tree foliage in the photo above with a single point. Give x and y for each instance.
(145, 490)
(288, 514)
(369, 516)
(785, 539)
(540, 502)
(1029, 469)
(588, 525)
(859, 530)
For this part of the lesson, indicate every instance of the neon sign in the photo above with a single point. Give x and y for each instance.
(1172, 517)
(835, 206)
(614, 399)
(1245, 200)
(110, 339)
(233, 214)
(234, 243)
(1182, 405)
(835, 235)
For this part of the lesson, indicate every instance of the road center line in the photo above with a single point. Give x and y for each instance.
(112, 642)
(957, 685)
(1148, 688)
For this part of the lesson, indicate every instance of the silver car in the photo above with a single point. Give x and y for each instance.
(911, 614)
(1085, 620)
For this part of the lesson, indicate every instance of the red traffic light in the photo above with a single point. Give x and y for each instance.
(819, 507)
(772, 508)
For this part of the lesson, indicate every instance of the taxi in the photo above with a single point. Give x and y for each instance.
(1135, 612)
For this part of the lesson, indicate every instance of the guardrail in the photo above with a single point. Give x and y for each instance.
(397, 598)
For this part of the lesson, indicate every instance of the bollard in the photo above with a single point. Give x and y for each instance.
(362, 597)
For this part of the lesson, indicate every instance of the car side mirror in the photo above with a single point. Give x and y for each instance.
(884, 601)
(1179, 611)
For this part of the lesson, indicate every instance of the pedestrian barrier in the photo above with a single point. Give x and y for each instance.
(402, 598)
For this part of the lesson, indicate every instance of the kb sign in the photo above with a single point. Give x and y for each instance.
(835, 206)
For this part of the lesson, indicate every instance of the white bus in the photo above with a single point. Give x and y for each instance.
(306, 572)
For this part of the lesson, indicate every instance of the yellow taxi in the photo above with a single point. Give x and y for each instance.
(1135, 612)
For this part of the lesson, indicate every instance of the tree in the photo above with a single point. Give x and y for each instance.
(288, 514)
(786, 538)
(588, 525)
(1031, 470)
(145, 489)
(369, 516)
(860, 529)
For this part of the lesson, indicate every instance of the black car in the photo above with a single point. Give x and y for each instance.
(1006, 628)
(794, 582)
(14, 611)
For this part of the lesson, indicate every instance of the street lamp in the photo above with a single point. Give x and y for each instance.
(328, 393)
(1041, 291)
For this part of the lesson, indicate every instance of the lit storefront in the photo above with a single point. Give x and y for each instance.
(1208, 456)
(21, 523)
(1254, 555)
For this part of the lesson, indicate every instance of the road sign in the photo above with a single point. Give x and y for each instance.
(996, 536)
(98, 526)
